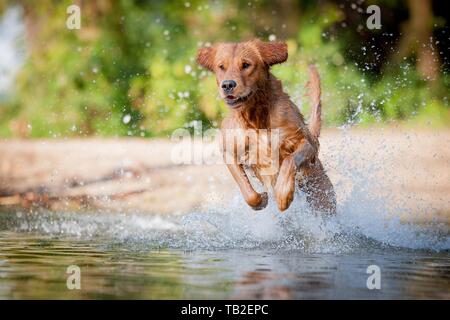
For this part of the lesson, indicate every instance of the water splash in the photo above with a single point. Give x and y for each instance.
(366, 219)
(359, 225)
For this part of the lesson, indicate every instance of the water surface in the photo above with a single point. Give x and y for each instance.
(218, 255)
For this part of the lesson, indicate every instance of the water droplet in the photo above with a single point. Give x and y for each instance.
(126, 119)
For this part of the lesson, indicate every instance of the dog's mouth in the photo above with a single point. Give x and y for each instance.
(235, 101)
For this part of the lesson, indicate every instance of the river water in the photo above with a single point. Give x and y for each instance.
(224, 253)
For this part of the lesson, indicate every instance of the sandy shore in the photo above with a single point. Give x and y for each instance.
(139, 175)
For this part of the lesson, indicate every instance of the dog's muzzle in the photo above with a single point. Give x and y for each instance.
(234, 101)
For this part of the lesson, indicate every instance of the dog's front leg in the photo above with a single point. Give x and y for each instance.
(285, 185)
(254, 199)
(304, 155)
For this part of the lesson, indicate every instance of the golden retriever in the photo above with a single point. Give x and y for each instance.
(257, 102)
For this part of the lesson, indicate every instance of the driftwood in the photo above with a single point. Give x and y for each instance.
(47, 196)
(125, 175)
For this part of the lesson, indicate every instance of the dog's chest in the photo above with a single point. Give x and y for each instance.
(262, 155)
(265, 152)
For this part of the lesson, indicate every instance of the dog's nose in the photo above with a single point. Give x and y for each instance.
(228, 85)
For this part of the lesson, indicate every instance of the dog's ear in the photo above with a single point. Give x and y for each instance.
(272, 52)
(205, 57)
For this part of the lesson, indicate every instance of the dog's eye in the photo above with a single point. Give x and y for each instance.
(221, 67)
(245, 65)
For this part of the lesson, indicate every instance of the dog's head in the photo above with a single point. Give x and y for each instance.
(241, 68)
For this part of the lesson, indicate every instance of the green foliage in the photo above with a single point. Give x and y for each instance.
(131, 70)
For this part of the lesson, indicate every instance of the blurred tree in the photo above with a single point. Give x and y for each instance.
(130, 69)
(417, 38)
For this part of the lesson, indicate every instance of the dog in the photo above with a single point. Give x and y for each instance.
(257, 101)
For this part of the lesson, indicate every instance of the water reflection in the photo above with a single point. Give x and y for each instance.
(34, 267)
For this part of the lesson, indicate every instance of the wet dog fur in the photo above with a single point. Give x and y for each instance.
(257, 101)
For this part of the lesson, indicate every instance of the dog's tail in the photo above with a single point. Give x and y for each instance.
(313, 87)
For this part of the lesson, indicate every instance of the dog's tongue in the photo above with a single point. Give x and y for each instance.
(231, 97)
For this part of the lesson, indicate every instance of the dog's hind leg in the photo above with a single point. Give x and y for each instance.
(318, 188)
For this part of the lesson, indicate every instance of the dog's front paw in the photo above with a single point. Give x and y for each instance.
(284, 191)
(263, 201)
(284, 200)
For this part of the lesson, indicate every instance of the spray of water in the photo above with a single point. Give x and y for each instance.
(365, 219)
(361, 222)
